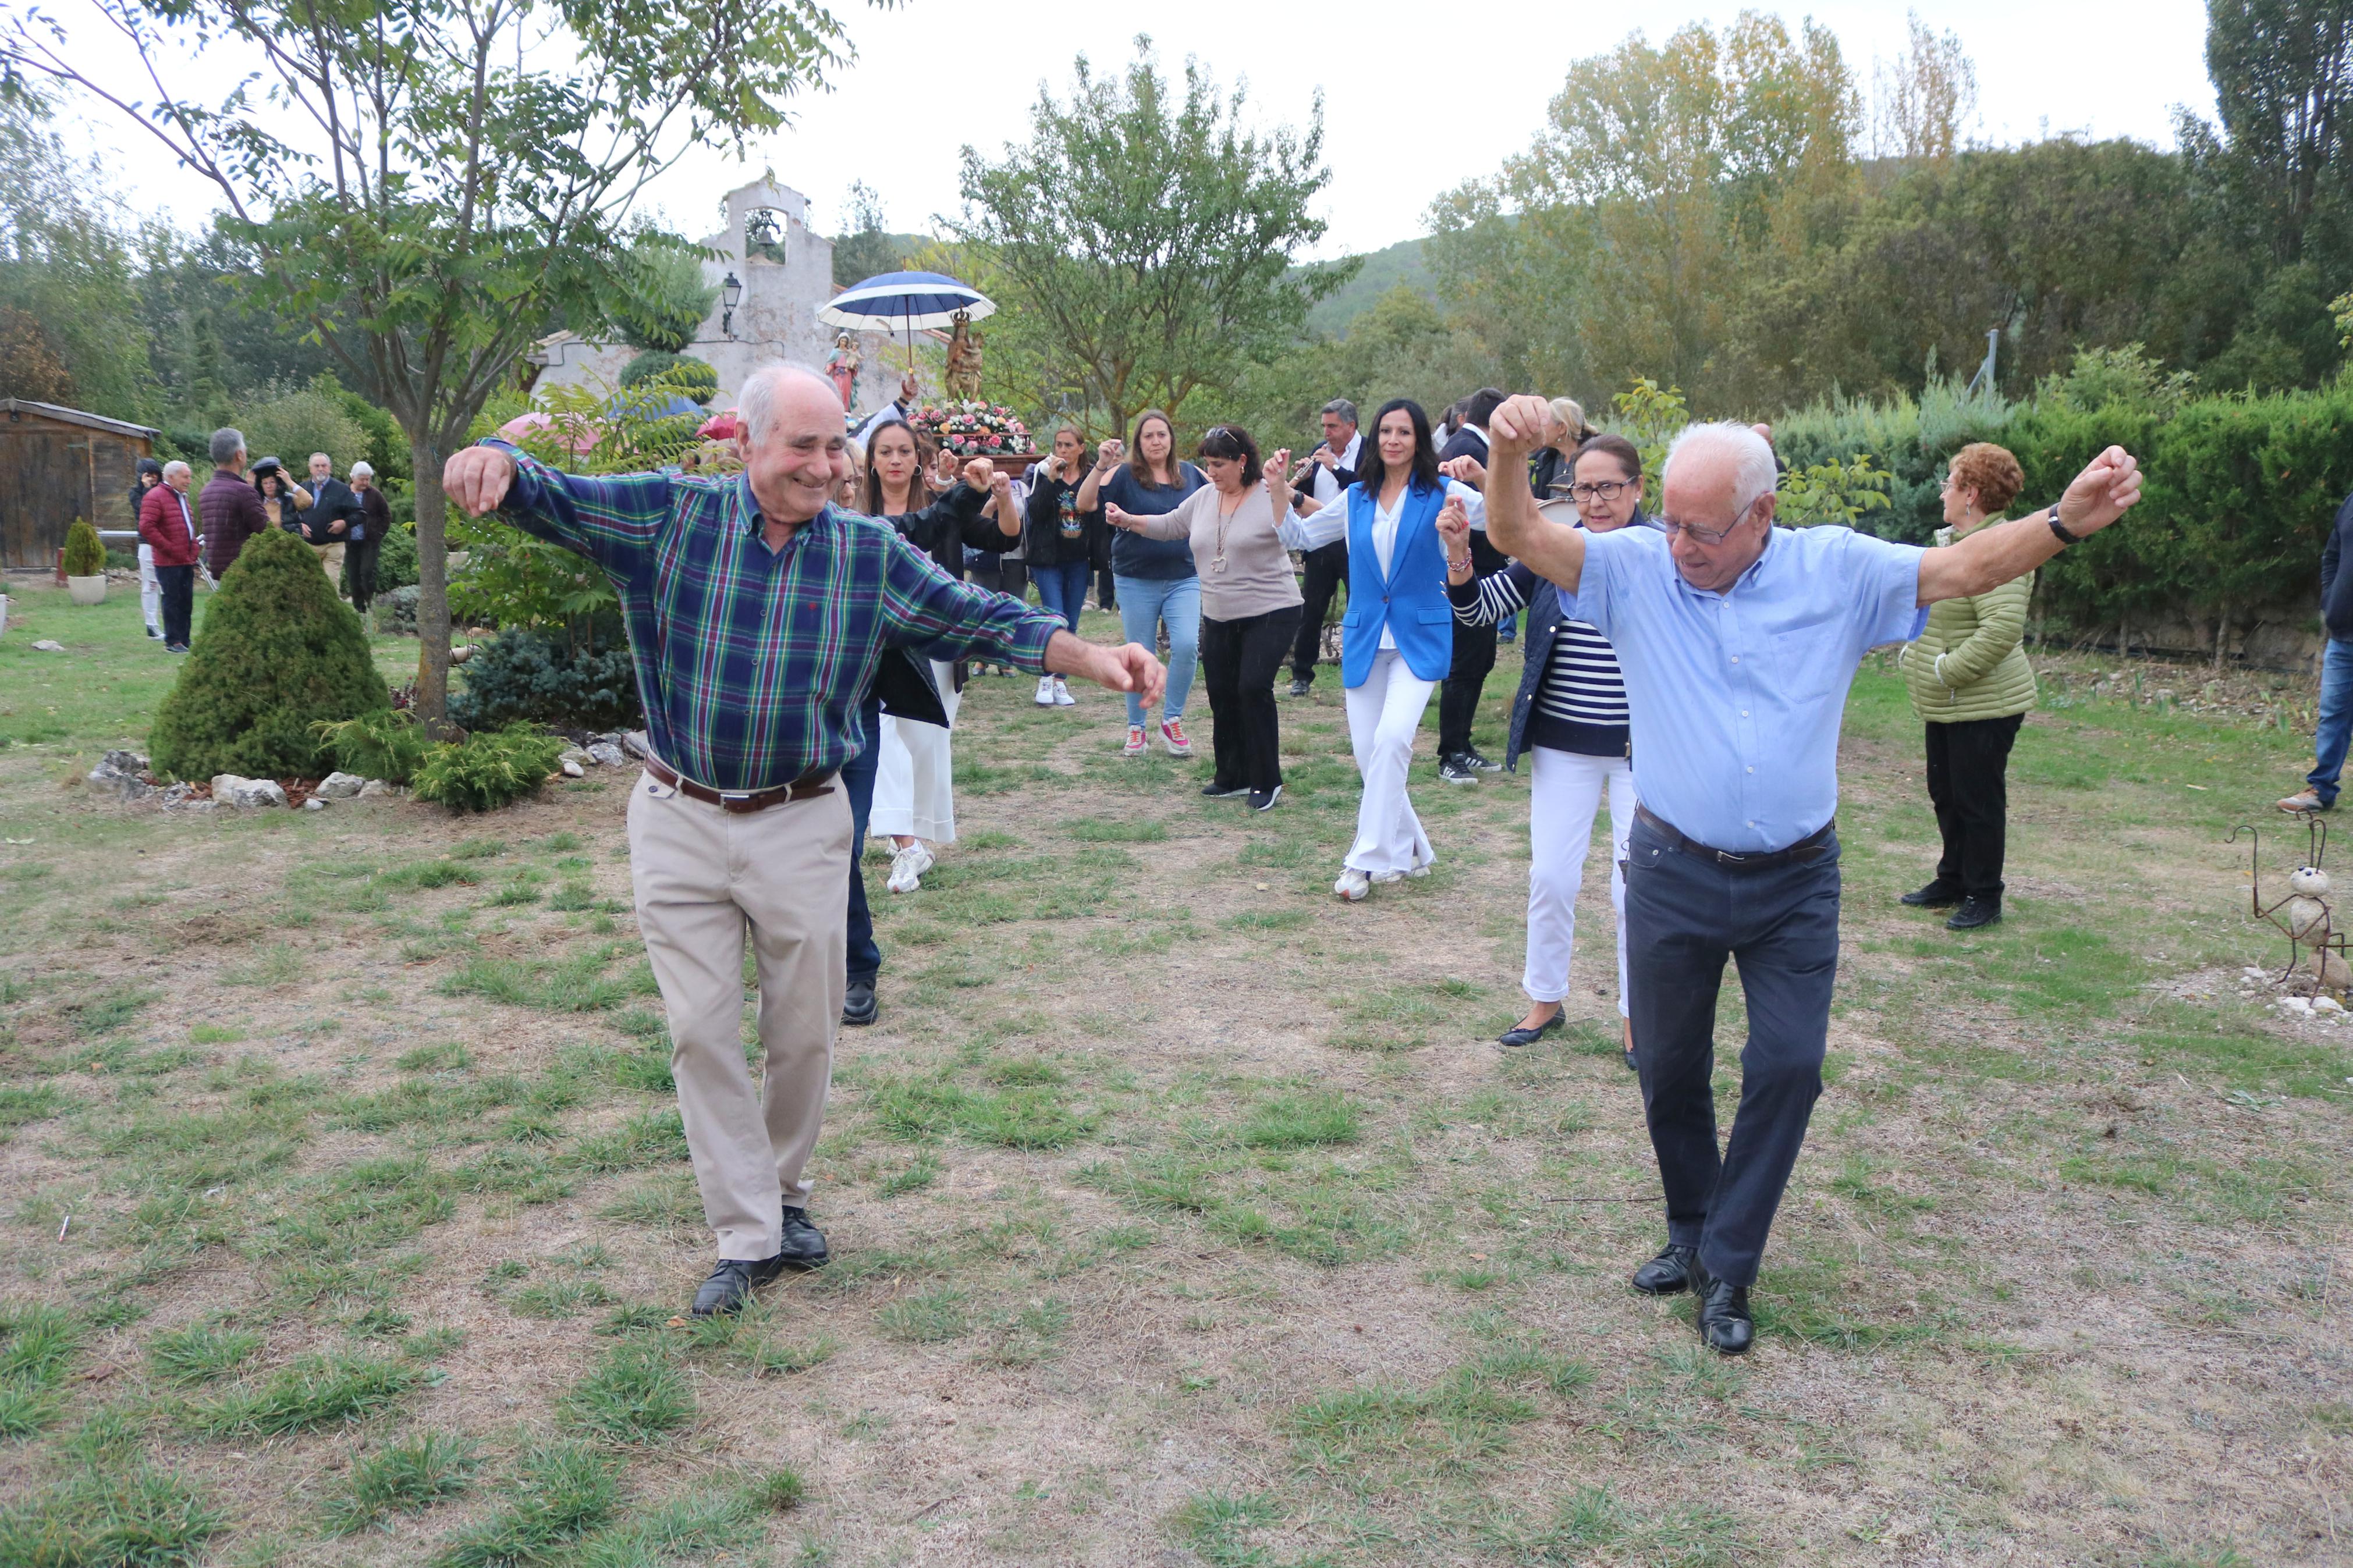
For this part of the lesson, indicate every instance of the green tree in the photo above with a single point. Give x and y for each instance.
(1142, 241)
(464, 173)
(664, 298)
(865, 248)
(68, 331)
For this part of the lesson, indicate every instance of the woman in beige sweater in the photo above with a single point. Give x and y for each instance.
(1971, 685)
(1242, 528)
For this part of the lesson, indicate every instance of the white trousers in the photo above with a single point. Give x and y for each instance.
(151, 588)
(1563, 791)
(915, 776)
(1383, 714)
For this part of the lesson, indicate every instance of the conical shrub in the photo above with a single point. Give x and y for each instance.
(279, 652)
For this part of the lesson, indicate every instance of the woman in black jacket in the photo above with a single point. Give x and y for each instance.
(1061, 543)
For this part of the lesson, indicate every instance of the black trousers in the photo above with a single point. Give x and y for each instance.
(1328, 568)
(359, 570)
(1004, 577)
(1685, 913)
(1106, 596)
(1474, 655)
(1969, 763)
(1240, 660)
(179, 589)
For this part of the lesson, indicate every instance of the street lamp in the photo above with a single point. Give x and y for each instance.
(730, 294)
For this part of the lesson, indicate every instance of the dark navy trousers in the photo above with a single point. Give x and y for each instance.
(858, 778)
(1686, 912)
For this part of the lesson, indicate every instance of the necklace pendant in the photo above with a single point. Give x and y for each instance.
(1218, 564)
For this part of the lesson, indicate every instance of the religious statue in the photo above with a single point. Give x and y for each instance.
(964, 360)
(841, 368)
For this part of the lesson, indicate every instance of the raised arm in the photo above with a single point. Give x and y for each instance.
(1550, 549)
(1107, 458)
(611, 520)
(2102, 494)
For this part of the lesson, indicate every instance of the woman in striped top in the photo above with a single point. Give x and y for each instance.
(1571, 714)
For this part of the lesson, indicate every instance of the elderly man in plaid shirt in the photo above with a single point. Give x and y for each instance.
(758, 615)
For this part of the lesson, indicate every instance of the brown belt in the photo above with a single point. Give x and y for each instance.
(1805, 848)
(809, 787)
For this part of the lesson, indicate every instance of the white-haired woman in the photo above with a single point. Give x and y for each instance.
(367, 536)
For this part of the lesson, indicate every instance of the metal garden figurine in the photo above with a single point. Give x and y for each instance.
(2306, 916)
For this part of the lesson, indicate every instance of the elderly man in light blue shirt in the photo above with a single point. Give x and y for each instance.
(1738, 641)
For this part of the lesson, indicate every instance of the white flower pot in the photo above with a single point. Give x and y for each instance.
(87, 590)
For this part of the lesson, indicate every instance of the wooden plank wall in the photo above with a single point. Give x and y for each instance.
(52, 472)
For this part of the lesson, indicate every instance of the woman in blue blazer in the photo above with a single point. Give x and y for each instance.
(1396, 640)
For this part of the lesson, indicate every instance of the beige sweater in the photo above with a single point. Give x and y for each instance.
(1255, 577)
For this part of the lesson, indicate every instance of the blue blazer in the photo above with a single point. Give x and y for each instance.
(1411, 602)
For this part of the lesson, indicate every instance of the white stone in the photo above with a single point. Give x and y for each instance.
(117, 775)
(50, 645)
(604, 754)
(572, 770)
(233, 789)
(2326, 1005)
(314, 804)
(2300, 1005)
(338, 786)
(376, 789)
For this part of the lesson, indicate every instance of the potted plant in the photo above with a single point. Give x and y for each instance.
(85, 563)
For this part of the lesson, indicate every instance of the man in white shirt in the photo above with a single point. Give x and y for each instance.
(1331, 469)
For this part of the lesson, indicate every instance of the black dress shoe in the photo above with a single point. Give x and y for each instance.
(1631, 1065)
(858, 1007)
(1724, 1319)
(731, 1284)
(1975, 912)
(1667, 1273)
(1301, 687)
(1524, 1034)
(1939, 895)
(804, 1243)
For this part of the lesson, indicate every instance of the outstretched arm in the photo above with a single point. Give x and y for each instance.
(1991, 556)
(1550, 549)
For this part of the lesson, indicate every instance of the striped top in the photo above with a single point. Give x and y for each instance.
(1581, 705)
(754, 662)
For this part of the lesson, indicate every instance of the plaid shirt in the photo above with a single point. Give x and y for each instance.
(753, 661)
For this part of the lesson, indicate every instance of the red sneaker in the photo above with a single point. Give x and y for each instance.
(1134, 747)
(1172, 731)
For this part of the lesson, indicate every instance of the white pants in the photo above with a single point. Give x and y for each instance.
(1383, 714)
(1563, 791)
(151, 588)
(915, 776)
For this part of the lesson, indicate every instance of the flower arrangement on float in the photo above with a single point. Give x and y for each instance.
(975, 429)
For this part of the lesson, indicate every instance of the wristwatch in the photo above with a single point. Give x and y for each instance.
(2060, 529)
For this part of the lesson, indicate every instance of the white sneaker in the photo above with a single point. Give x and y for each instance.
(907, 867)
(1045, 691)
(1385, 877)
(1353, 884)
(1062, 697)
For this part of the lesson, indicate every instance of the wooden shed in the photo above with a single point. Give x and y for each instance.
(58, 464)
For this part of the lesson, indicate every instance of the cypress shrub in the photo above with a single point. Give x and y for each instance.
(491, 768)
(278, 653)
(524, 676)
(85, 552)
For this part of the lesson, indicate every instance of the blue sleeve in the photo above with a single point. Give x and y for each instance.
(1887, 578)
(1600, 593)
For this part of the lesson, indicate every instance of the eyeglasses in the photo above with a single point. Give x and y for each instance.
(1605, 489)
(1670, 528)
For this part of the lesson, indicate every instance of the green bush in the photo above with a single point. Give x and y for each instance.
(277, 654)
(389, 744)
(395, 613)
(297, 421)
(522, 675)
(85, 552)
(493, 768)
(688, 377)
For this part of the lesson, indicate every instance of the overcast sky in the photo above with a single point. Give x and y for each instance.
(1416, 99)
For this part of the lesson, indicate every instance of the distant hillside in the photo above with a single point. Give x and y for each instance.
(1383, 270)
(858, 256)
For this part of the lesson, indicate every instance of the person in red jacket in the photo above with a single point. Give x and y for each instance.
(167, 526)
(229, 506)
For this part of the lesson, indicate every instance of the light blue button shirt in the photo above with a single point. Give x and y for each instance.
(1737, 697)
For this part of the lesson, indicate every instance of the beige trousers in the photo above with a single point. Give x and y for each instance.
(330, 557)
(702, 873)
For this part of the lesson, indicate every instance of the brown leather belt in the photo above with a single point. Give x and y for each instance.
(1805, 848)
(809, 787)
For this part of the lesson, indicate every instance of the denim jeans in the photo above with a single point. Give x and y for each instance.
(1063, 589)
(2336, 726)
(862, 959)
(1146, 603)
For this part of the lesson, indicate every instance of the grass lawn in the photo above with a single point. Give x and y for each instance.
(1181, 1213)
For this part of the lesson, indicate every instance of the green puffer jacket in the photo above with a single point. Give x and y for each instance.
(1967, 664)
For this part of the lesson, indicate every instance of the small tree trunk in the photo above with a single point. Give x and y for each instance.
(2221, 633)
(432, 593)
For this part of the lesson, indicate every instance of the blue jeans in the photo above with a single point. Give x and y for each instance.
(1063, 589)
(1685, 914)
(2336, 726)
(1146, 603)
(863, 958)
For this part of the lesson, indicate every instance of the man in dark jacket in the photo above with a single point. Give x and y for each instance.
(2336, 722)
(1334, 470)
(1459, 761)
(334, 512)
(231, 509)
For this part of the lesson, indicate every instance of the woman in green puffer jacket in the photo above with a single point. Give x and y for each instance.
(1971, 685)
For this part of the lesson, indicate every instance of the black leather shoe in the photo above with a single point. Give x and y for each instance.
(1264, 799)
(804, 1245)
(1522, 1035)
(1301, 687)
(1724, 1319)
(1975, 912)
(731, 1284)
(858, 1007)
(1631, 1065)
(1938, 895)
(1667, 1273)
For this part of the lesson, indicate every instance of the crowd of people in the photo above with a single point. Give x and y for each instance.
(1687, 662)
(343, 521)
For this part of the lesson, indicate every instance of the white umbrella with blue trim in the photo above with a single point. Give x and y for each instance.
(905, 302)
